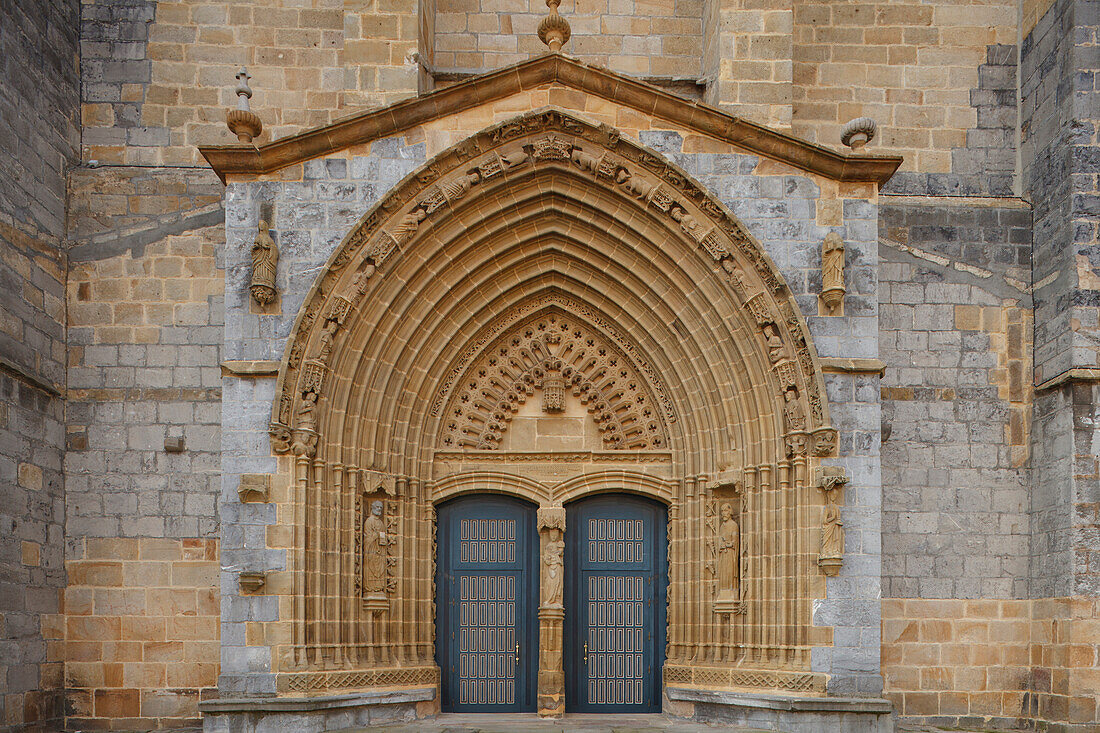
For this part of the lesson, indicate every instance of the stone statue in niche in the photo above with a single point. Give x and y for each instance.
(792, 409)
(328, 333)
(457, 188)
(775, 342)
(305, 431)
(407, 226)
(265, 260)
(724, 541)
(832, 274)
(729, 555)
(375, 554)
(831, 480)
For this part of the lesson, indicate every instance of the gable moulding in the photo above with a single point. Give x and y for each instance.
(547, 69)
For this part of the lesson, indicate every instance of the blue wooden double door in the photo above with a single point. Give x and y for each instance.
(487, 588)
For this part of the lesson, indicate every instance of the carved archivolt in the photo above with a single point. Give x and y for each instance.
(552, 356)
(551, 138)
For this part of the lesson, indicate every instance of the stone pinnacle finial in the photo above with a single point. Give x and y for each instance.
(554, 30)
(242, 122)
(244, 92)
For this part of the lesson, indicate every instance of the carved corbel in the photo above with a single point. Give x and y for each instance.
(281, 437)
(824, 442)
(251, 581)
(254, 488)
(796, 444)
(831, 480)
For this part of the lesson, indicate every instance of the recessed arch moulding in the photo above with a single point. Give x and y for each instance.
(549, 310)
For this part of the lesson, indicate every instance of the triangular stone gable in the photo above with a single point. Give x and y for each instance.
(543, 71)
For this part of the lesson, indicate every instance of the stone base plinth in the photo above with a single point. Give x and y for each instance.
(782, 713)
(317, 714)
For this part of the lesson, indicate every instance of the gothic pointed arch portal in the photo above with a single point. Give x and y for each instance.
(549, 310)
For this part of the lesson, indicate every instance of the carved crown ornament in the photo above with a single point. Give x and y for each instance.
(511, 150)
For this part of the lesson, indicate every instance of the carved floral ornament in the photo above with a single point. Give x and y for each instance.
(516, 148)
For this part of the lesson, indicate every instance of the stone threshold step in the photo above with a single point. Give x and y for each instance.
(571, 723)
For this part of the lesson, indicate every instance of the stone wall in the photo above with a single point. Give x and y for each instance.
(141, 632)
(145, 329)
(955, 335)
(913, 67)
(650, 38)
(39, 134)
(32, 570)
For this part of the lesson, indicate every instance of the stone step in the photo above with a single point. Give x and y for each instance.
(571, 723)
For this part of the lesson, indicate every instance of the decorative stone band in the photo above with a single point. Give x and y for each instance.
(394, 677)
(765, 679)
(508, 456)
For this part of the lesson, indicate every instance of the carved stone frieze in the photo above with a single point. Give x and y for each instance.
(554, 354)
(311, 681)
(735, 677)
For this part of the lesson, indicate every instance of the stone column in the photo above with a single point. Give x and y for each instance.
(551, 692)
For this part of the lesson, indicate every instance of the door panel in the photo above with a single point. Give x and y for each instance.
(615, 604)
(487, 592)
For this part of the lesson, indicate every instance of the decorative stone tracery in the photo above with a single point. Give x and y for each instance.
(554, 354)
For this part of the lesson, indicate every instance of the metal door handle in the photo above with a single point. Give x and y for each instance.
(586, 652)
(517, 651)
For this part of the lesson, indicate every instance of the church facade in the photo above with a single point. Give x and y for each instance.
(733, 361)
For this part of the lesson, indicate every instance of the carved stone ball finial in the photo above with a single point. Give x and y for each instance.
(242, 122)
(858, 132)
(554, 30)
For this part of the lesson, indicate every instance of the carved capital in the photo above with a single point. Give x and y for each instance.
(551, 517)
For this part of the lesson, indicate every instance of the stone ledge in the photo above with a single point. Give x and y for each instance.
(841, 365)
(250, 368)
(1076, 374)
(786, 703)
(311, 704)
